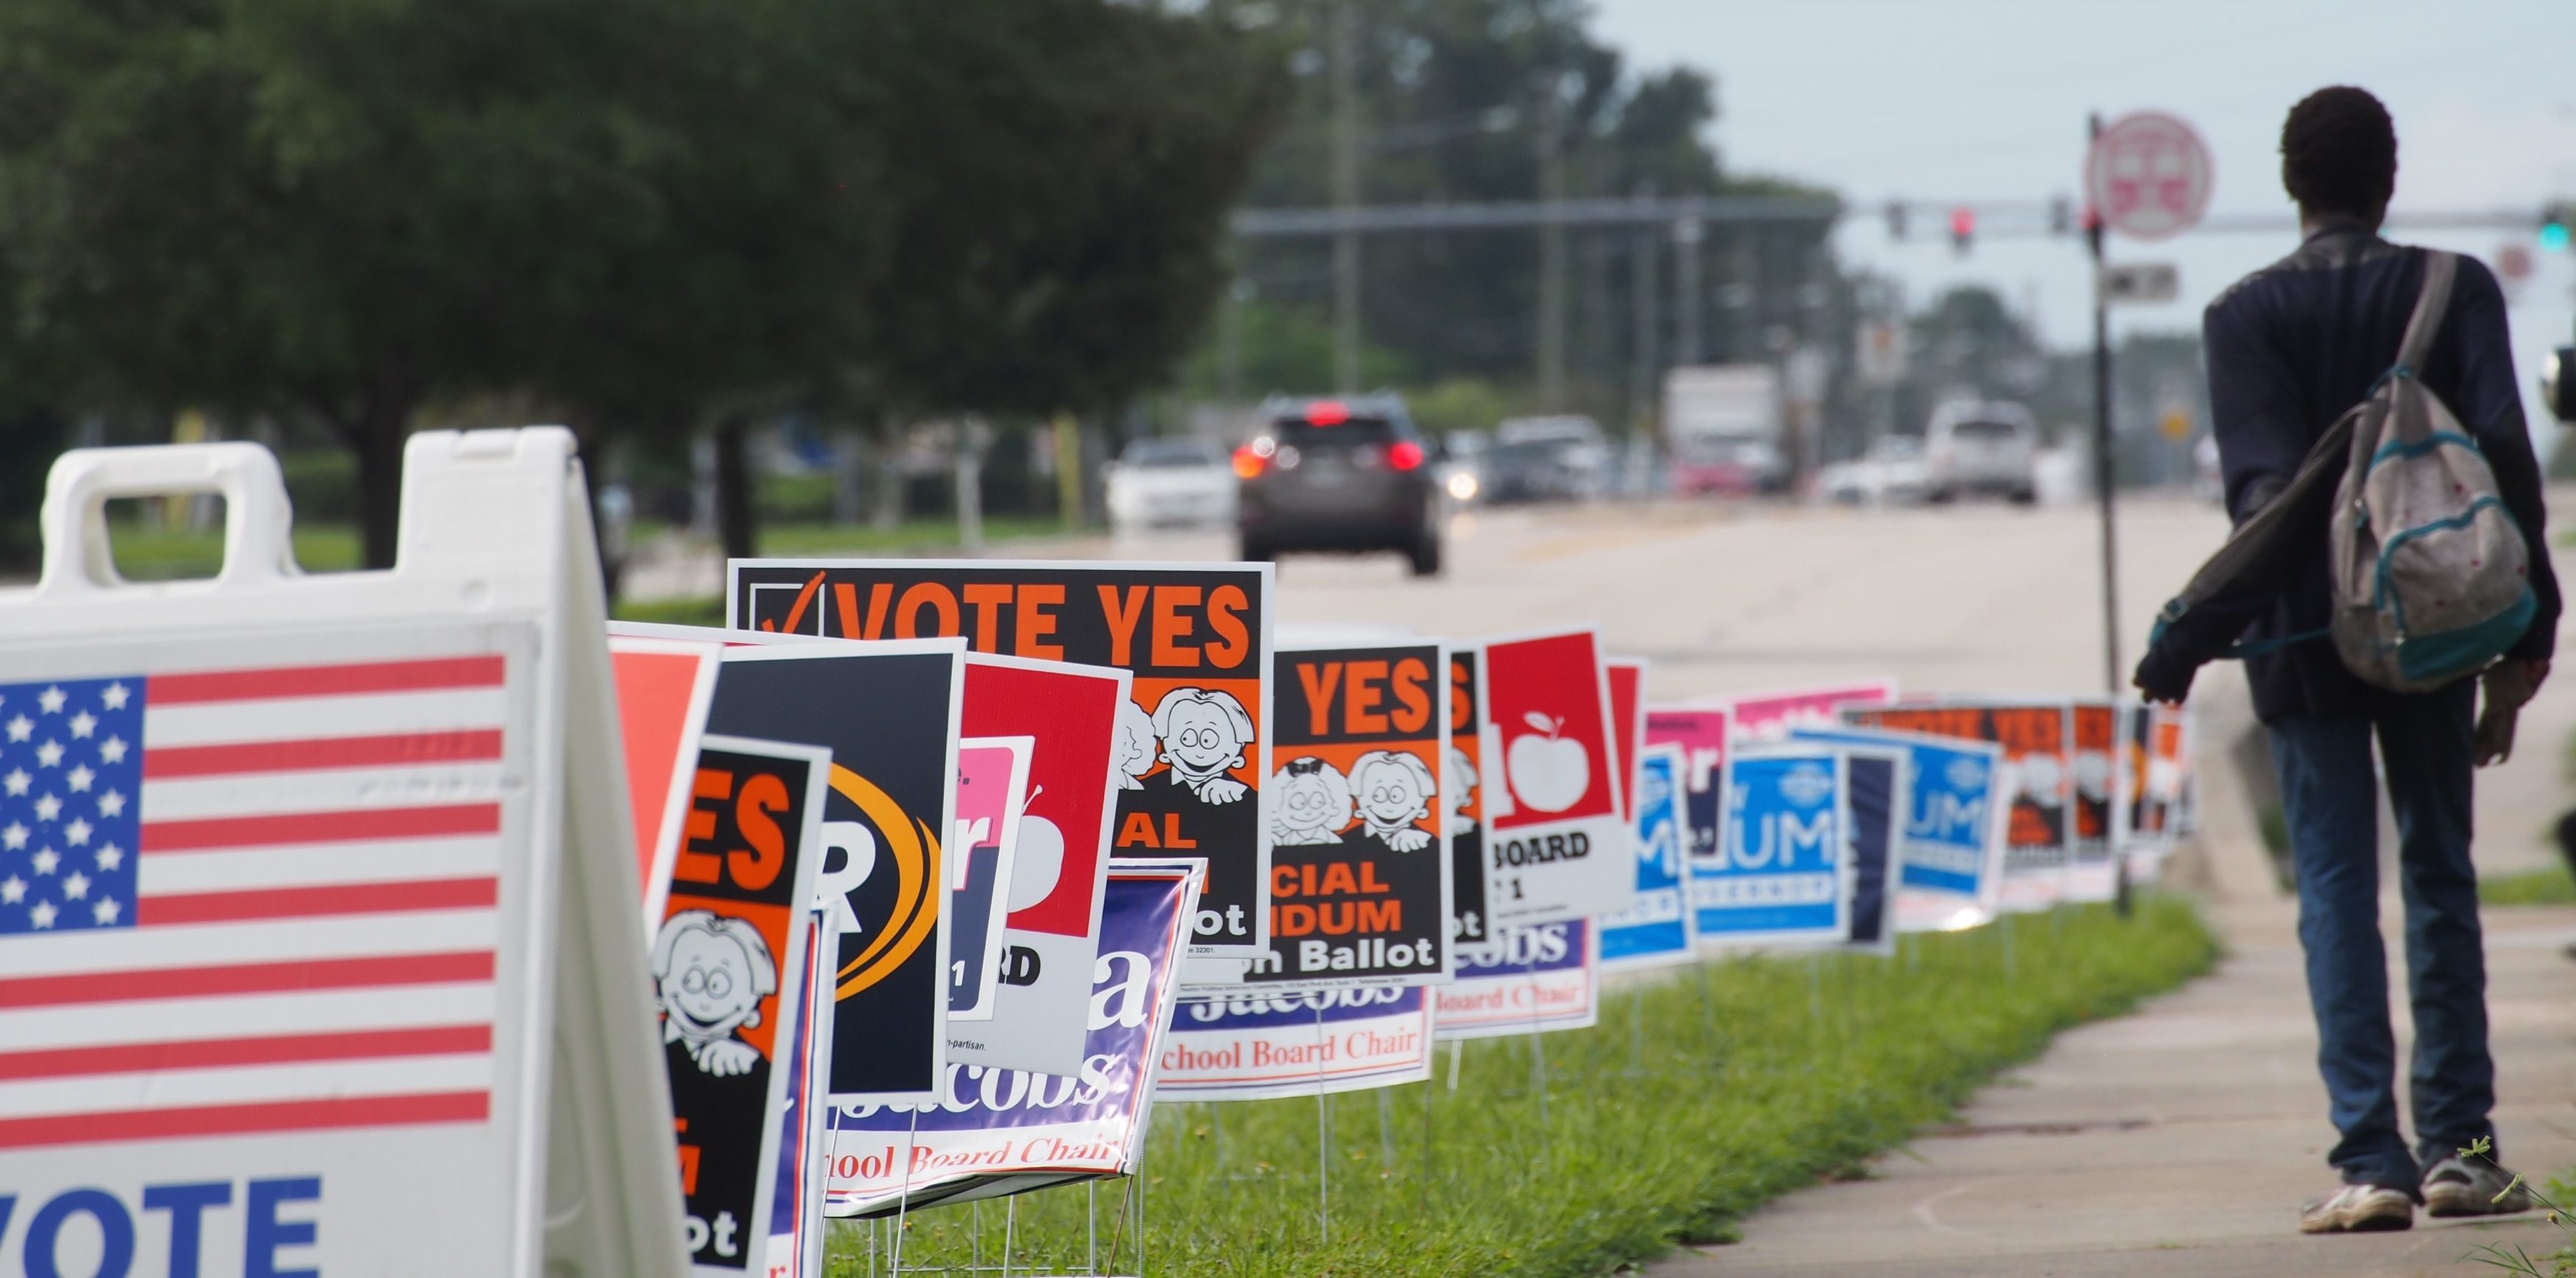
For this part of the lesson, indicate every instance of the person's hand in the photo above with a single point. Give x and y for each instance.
(2507, 686)
(2161, 678)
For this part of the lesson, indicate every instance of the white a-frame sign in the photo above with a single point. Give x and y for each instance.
(318, 936)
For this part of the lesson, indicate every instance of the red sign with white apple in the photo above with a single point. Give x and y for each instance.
(1554, 850)
(1549, 702)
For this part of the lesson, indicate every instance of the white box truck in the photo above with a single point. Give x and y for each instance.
(1724, 426)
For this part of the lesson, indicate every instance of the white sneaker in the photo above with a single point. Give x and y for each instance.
(2355, 1208)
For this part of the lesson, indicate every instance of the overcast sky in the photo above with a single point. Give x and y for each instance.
(1964, 100)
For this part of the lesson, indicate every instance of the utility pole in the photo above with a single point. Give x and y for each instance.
(2093, 232)
(1346, 196)
(1686, 338)
(1230, 340)
(1551, 255)
(1645, 351)
(1743, 295)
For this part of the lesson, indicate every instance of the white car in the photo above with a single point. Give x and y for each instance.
(1982, 446)
(1170, 483)
(1904, 470)
(1893, 472)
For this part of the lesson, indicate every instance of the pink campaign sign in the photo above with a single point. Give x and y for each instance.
(1700, 732)
(1771, 715)
(992, 786)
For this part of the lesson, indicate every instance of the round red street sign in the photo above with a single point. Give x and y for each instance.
(2148, 175)
(2513, 262)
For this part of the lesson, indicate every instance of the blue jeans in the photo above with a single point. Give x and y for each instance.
(2330, 797)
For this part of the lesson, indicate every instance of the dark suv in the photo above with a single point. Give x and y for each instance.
(1340, 474)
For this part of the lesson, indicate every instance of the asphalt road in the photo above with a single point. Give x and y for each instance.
(1733, 598)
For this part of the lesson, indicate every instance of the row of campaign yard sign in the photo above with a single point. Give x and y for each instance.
(946, 872)
(1256, 867)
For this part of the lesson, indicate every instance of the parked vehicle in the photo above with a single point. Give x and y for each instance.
(1982, 446)
(1340, 475)
(1724, 424)
(1575, 445)
(1513, 474)
(1170, 482)
(1462, 467)
(1894, 472)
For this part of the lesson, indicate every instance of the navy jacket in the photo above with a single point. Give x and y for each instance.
(2290, 348)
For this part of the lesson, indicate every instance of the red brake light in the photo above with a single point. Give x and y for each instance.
(1404, 454)
(1248, 464)
(1327, 412)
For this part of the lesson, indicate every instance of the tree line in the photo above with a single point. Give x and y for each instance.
(1499, 100)
(649, 219)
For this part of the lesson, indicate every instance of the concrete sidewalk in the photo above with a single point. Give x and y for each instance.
(2178, 1141)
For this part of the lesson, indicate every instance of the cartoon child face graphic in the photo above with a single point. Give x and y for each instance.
(1462, 789)
(2093, 776)
(1204, 734)
(2043, 780)
(1394, 790)
(1135, 746)
(1310, 803)
(711, 974)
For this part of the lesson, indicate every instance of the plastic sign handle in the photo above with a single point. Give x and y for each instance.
(257, 515)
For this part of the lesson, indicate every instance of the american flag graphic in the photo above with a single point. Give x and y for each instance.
(245, 901)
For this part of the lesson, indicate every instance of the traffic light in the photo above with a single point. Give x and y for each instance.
(2061, 216)
(1896, 221)
(2553, 227)
(1963, 229)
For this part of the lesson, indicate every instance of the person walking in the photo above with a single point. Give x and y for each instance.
(2290, 349)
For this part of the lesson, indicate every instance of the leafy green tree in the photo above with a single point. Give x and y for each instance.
(1459, 101)
(340, 213)
(1056, 247)
(653, 216)
(1969, 342)
(1279, 349)
(1056, 180)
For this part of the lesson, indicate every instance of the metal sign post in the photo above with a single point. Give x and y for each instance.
(2148, 176)
(2102, 473)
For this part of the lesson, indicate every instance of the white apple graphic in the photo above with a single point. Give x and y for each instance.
(1548, 772)
(1036, 863)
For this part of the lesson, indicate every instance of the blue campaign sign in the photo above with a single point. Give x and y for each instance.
(1782, 878)
(1953, 826)
(1657, 929)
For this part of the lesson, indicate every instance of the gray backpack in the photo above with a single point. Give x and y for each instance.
(2430, 572)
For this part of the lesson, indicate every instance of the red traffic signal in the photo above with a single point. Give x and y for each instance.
(1963, 228)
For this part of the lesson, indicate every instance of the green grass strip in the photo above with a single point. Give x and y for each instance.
(912, 537)
(707, 611)
(2551, 886)
(1688, 1106)
(146, 553)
